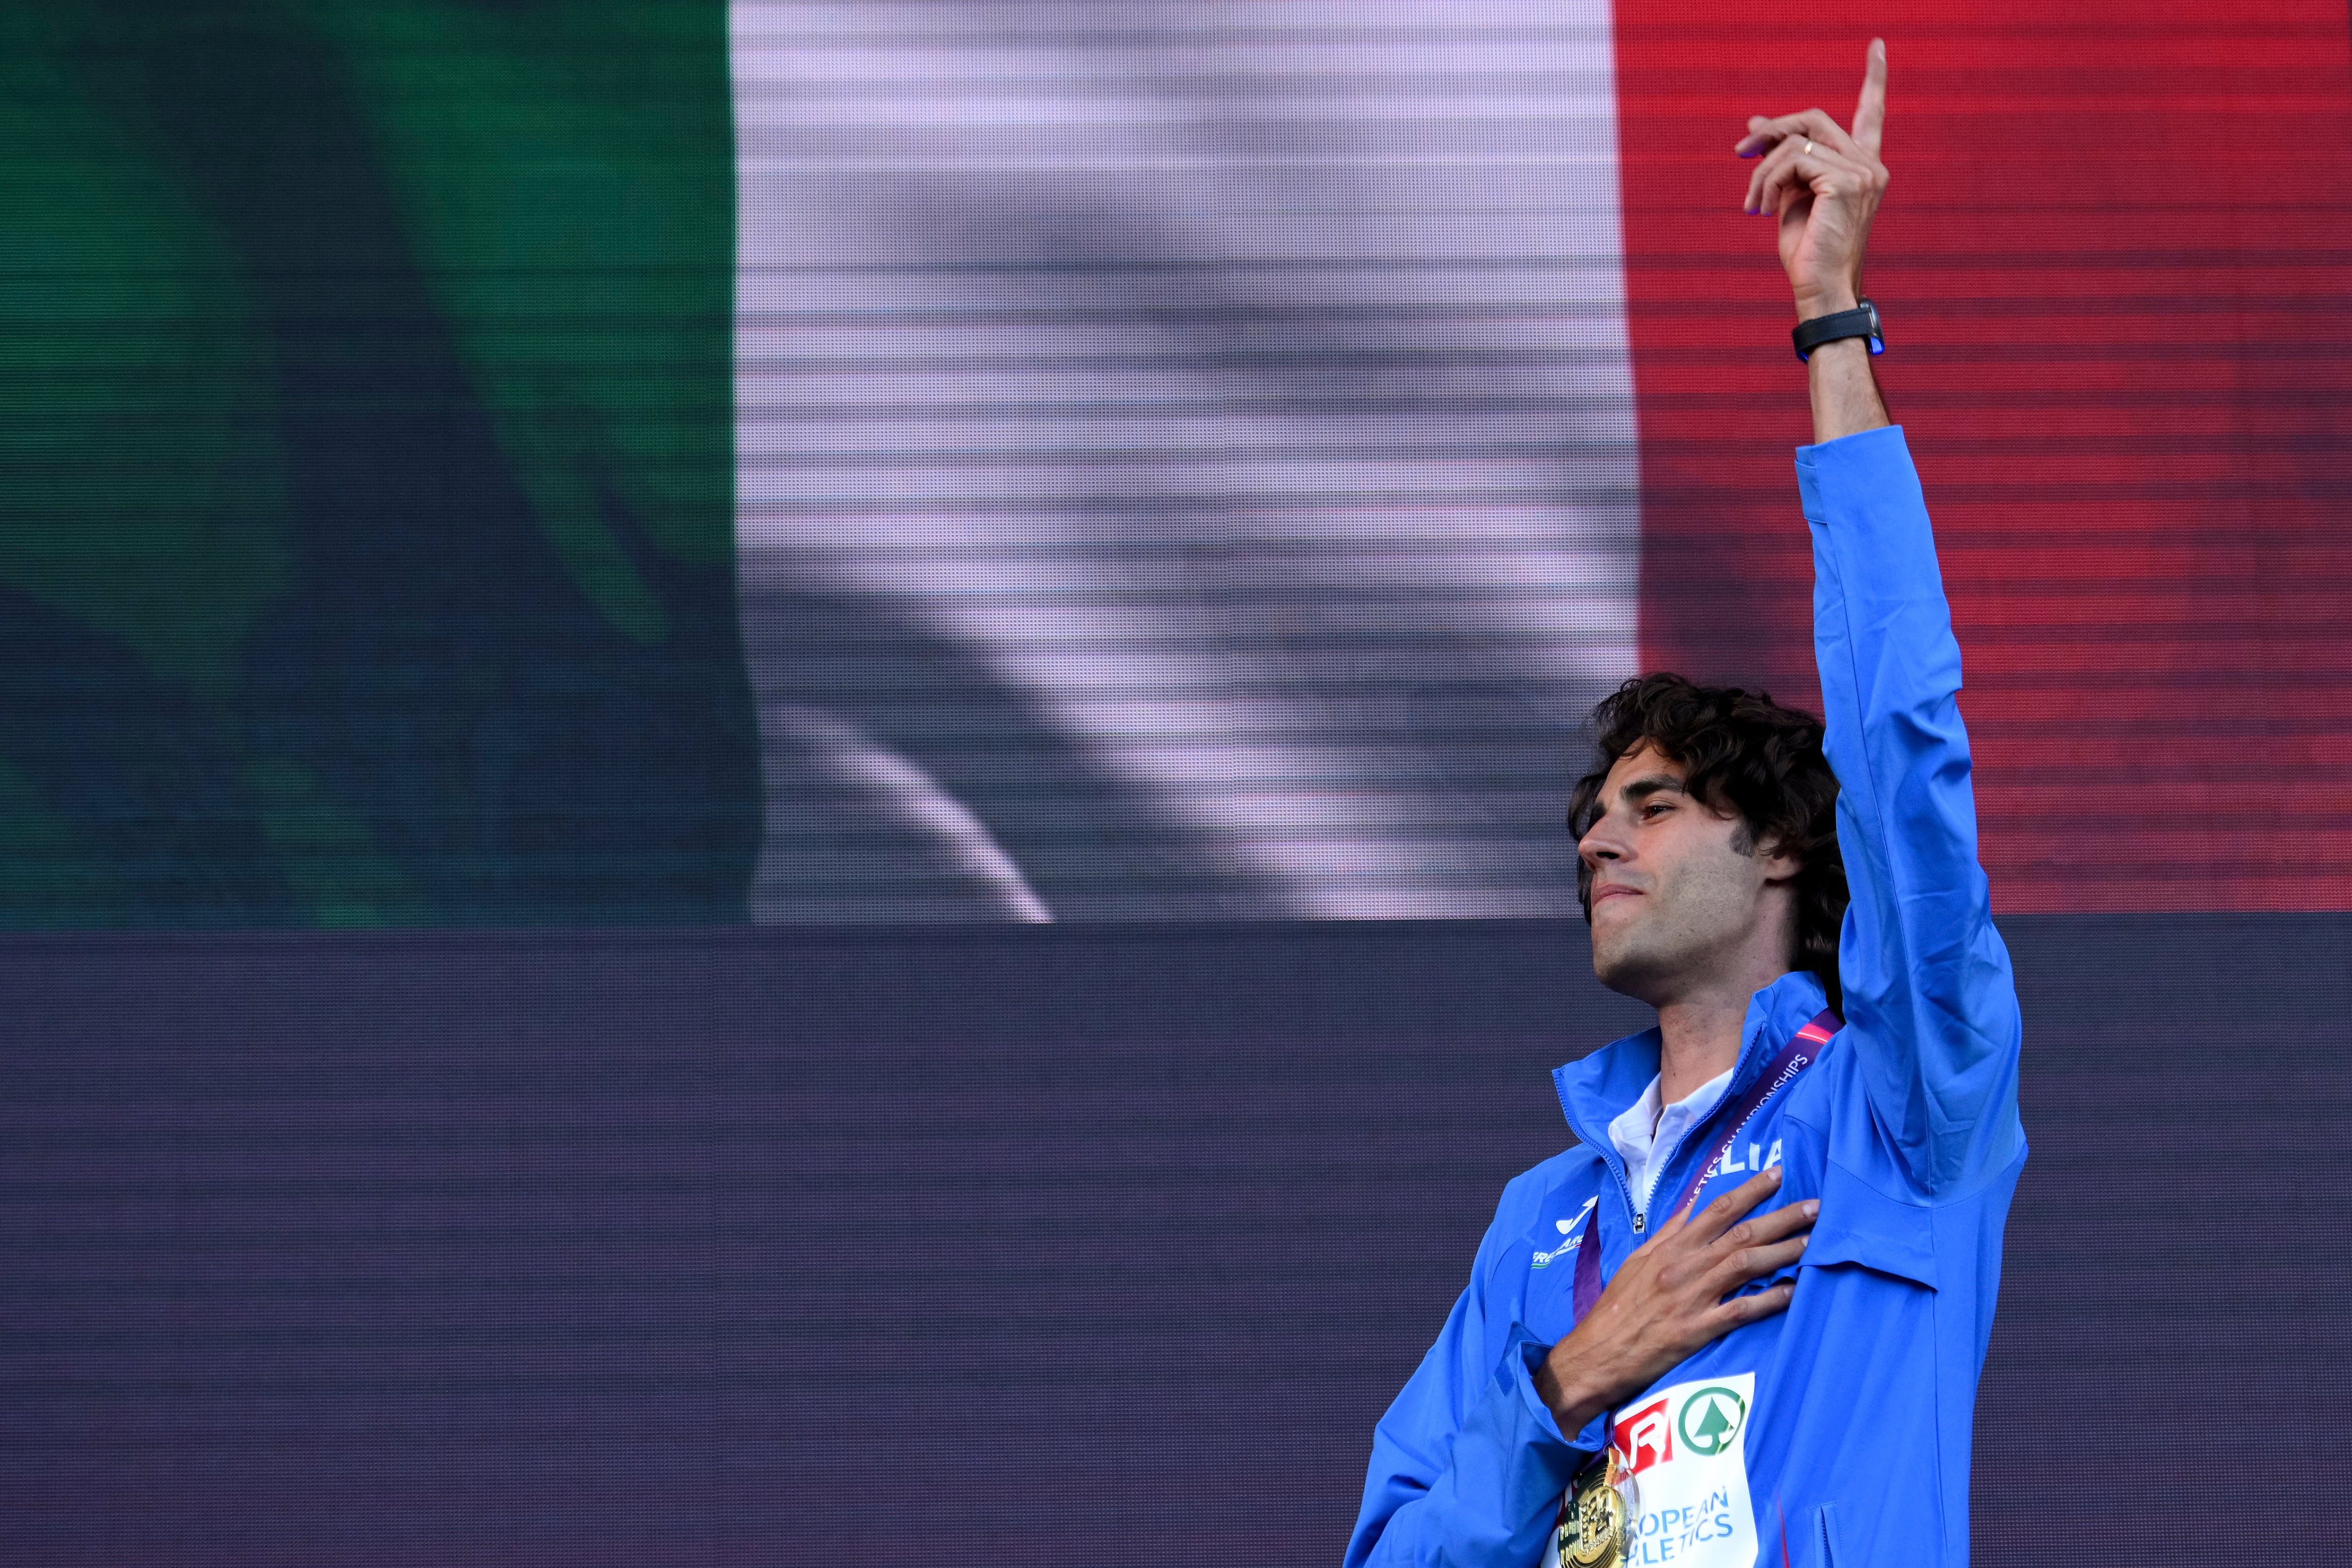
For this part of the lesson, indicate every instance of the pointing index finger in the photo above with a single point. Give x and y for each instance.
(1870, 110)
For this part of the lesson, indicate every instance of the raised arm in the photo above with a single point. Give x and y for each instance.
(1929, 995)
(1823, 186)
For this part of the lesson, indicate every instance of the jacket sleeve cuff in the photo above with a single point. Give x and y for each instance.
(1497, 1501)
(1524, 1354)
(1863, 463)
(1510, 1466)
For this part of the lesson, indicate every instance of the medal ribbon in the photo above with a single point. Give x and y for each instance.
(1802, 1052)
(1573, 1542)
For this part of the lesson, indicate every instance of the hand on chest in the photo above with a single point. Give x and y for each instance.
(1595, 1204)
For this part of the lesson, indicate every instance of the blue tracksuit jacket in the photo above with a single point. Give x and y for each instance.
(1852, 1410)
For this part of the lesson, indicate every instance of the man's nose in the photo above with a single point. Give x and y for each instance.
(1597, 845)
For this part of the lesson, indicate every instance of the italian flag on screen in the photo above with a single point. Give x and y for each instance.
(473, 463)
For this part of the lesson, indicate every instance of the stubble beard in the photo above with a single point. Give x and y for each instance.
(1679, 937)
(1640, 958)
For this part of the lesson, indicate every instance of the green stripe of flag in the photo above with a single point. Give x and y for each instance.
(366, 466)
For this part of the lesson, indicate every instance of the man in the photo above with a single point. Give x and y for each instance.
(1744, 1318)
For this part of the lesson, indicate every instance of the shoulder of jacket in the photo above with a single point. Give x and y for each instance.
(1524, 1194)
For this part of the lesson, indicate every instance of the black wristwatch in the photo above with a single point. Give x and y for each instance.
(1861, 322)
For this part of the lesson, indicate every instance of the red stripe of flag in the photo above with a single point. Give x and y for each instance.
(2116, 264)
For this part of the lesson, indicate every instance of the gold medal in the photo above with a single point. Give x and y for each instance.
(1592, 1519)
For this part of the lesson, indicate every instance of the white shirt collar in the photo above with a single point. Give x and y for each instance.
(1648, 1137)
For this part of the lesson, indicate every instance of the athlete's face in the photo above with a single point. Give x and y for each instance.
(1679, 893)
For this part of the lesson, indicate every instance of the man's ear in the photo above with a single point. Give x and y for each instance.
(1779, 865)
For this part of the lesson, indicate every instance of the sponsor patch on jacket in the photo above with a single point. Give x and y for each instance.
(1684, 1451)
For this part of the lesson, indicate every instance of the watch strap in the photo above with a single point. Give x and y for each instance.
(1861, 322)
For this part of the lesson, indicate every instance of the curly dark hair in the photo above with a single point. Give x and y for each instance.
(1740, 752)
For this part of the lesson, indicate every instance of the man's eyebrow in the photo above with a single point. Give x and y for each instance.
(1648, 785)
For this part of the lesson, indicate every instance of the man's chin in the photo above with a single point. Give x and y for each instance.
(1627, 974)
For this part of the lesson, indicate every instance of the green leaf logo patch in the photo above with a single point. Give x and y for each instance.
(1710, 1420)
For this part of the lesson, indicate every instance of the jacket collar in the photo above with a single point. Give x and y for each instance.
(1595, 1090)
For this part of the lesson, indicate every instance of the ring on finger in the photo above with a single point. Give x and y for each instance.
(1809, 149)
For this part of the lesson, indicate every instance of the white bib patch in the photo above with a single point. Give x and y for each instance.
(1686, 1450)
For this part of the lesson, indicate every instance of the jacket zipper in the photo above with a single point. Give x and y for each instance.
(1615, 1162)
(1640, 1216)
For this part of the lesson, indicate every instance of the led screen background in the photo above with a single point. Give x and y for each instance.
(472, 473)
(475, 465)
(1066, 1246)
